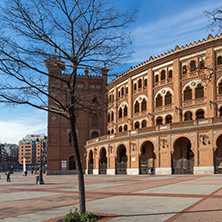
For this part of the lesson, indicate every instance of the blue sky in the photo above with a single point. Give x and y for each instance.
(159, 26)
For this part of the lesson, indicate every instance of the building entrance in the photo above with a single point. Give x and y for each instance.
(103, 161)
(147, 158)
(72, 165)
(182, 157)
(121, 160)
(218, 157)
(90, 162)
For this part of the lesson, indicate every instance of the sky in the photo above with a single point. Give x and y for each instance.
(159, 26)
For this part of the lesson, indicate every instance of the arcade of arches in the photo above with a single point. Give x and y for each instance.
(188, 153)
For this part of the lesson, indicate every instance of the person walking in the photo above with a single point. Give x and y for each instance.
(8, 176)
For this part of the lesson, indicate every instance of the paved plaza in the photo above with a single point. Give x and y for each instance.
(122, 197)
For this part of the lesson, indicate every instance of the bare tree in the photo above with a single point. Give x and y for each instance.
(214, 18)
(87, 33)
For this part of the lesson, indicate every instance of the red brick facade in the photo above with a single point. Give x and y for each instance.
(88, 125)
(164, 114)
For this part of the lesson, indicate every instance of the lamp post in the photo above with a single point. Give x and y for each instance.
(40, 170)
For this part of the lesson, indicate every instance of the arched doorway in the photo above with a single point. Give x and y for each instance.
(218, 156)
(147, 158)
(182, 157)
(103, 161)
(72, 164)
(121, 160)
(90, 162)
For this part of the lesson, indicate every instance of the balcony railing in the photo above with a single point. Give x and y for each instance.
(169, 126)
(193, 101)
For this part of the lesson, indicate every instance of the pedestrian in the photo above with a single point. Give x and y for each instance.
(152, 171)
(32, 172)
(37, 177)
(26, 173)
(8, 176)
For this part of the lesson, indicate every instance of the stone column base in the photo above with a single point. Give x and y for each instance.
(203, 170)
(133, 171)
(95, 172)
(163, 171)
(110, 171)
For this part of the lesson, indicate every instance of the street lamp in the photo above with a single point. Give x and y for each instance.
(40, 170)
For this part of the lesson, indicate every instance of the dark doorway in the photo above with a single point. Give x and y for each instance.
(121, 160)
(103, 161)
(218, 157)
(147, 157)
(90, 162)
(182, 157)
(72, 164)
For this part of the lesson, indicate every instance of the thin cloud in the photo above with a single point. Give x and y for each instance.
(14, 130)
(164, 34)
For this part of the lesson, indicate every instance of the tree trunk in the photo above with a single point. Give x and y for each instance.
(82, 204)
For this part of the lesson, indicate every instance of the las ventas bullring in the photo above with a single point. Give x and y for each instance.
(165, 113)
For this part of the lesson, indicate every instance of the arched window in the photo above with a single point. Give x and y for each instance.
(143, 123)
(168, 98)
(120, 129)
(163, 75)
(143, 105)
(200, 114)
(156, 78)
(192, 65)
(159, 100)
(184, 69)
(126, 90)
(125, 127)
(145, 82)
(108, 117)
(168, 119)
(137, 107)
(112, 116)
(201, 64)
(112, 131)
(188, 116)
(120, 112)
(199, 91)
(139, 83)
(94, 135)
(220, 111)
(187, 93)
(137, 125)
(220, 87)
(119, 93)
(110, 98)
(122, 91)
(108, 132)
(125, 110)
(170, 74)
(219, 60)
(159, 120)
(134, 86)
(95, 120)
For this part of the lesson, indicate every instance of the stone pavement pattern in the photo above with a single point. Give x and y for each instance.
(127, 198)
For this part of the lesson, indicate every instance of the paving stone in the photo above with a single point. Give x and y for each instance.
(183, 189)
